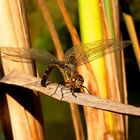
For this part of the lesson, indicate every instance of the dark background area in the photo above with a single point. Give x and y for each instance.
(132, 72)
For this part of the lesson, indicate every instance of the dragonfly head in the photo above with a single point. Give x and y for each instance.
(77, 80)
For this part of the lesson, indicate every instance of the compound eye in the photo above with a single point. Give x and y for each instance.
(73, 79)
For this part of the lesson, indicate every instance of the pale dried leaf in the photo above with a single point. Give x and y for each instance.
(27, 81)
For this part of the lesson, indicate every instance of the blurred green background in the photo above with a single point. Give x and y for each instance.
(57, 117)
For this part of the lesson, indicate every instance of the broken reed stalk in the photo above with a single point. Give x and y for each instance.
(60, 55)
(26, 119)
(131, 29)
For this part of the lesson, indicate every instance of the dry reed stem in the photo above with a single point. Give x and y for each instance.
(120, 63)
(71, 28)
(131, 29)
(45, 12)
(27, 81)
(119, 84)
(116, 81)
(14, 33)
(132, 33)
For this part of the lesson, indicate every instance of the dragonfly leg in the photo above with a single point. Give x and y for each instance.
(57, 88)
(46, 74)
(67, 87)
(62, 93)
(83, 87)
(74, 90)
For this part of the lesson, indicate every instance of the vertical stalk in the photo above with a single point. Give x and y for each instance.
(24, 111)
(75, 39)
(91, 30)
(131, 29)
(96, 23)
(49, 22)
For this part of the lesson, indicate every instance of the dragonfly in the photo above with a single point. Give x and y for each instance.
(74, 57)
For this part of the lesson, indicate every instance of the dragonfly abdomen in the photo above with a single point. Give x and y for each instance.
(60, 65)
(46, 74)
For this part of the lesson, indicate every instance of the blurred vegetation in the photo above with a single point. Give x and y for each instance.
(135, 6)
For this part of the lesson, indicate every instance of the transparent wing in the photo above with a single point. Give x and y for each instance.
(84, 53)
(27, 54)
